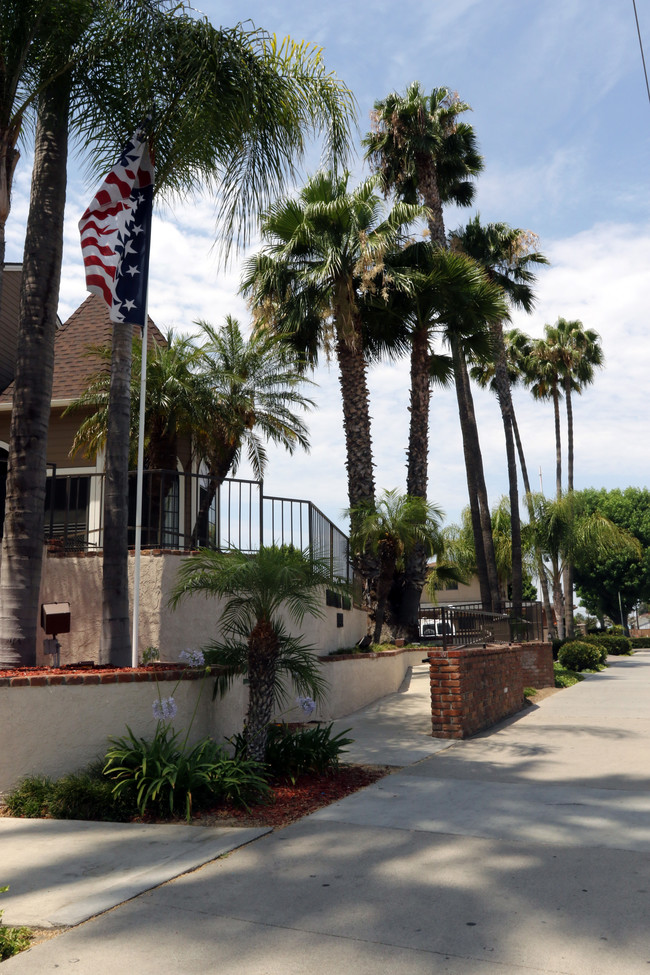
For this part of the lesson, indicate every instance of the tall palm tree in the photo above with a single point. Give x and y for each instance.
(248, 392)
(391, 528)
(576, 352)
(517, 346)
(259, 590)
(507, 255)
(318, 261)
(424, 152)
(444, 294)
(233, 110)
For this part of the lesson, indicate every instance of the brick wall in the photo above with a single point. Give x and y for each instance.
(537, 664)
(474, 688)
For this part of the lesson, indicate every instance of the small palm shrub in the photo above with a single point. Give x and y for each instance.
(579, 655)
(12, 940)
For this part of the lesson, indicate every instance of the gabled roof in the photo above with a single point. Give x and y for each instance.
(89, 325)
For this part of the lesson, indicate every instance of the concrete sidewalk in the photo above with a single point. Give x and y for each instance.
(526, 849)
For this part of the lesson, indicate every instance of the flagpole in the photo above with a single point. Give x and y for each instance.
(138, 494)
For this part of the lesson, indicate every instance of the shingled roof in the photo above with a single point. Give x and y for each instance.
(89, 325)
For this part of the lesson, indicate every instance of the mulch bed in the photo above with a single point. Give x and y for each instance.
(291, 801)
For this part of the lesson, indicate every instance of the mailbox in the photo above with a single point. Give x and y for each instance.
(55, 618)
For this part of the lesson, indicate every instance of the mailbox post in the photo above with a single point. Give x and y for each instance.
(55, 619)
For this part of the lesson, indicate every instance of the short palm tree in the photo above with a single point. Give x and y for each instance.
(563, 532)
(318, 260)
(391, 528)
(260, 589)
(248, 391)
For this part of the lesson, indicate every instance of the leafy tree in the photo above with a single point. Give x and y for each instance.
(391, 528)
(233, 108)
(600, 582)
(259, 590)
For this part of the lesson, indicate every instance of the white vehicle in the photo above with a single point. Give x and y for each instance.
(432, 629)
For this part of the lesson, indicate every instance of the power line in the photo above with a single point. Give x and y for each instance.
(638, 30)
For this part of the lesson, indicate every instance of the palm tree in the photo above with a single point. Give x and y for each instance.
(576, 351)
(248, 392)
(260, 589)
(233, 109)
(563, 532)
(443, 294)
(320, 255)
(507, 256)
(423, 152)
(390, 529)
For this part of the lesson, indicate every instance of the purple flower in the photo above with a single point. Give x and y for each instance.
(307, 704)
(165, 709)
(193, 658)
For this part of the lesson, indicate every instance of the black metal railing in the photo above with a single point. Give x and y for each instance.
(470, 625)
(183, 511)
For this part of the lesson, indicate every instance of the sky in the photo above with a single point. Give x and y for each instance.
(562, 117)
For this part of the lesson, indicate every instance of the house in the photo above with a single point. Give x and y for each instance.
(239, 514)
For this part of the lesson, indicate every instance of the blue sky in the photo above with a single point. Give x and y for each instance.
(562, 117)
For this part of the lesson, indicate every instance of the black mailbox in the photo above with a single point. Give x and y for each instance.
(55, 618)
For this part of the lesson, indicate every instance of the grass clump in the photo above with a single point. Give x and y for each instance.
(86, 795)
(565, 677)
(12, 940)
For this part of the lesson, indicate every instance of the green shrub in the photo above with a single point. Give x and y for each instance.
(12, 940)
(615, 630)
(30, 798)
(578, 655)
(639, 642)
(616, 645)
(78, 795)
(291, 752)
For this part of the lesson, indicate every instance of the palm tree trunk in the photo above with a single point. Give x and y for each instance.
(476, 476)
(115, 645)
(22, 547)
(541, 572)
(358, 442)
(558, 444)
(263, 652)
(217, 475)
(568, 566)
(415, 571)
(507, 413)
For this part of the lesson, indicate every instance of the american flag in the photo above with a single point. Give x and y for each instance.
(115, 233)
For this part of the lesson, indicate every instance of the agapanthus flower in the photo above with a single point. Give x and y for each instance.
(307, 704)
(193, 658)
(165, 709)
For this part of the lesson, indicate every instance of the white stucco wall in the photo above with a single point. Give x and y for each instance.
(54, 730)
(78, 580)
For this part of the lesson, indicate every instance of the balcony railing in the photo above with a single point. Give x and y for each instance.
(469, 625)
(186, 511)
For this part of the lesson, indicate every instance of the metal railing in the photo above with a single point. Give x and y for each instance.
(470, 625)
(183, 511)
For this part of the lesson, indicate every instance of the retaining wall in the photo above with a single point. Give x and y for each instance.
(474, 688)
(58, 723)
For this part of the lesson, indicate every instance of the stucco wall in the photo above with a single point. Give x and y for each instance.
(57, 729)
(77, 579)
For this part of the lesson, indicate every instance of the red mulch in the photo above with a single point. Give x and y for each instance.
(81, 669)
(292, 801)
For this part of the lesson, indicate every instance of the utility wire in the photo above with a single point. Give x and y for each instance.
(638, 30)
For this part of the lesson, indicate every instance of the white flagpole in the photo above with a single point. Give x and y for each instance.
(138, 497)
